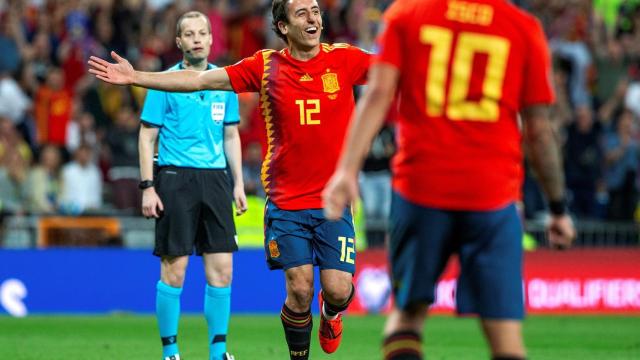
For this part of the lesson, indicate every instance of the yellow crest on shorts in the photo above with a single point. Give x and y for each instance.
(330, 82)
(274, 252)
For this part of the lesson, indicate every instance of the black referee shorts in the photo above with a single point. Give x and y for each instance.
(197, 212)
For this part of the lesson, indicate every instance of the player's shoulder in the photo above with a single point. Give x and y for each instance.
(400, 9)
(341, 48)
(526, 19)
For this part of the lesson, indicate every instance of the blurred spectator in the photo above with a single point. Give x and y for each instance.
(252, 170)
(13, 173)
(53, 109)
(612, 69)
(246, 30)
(375, 186)
(10, 54)
(11, 141)
(16, 105)
(583, 162)
(15, 158)
(632, 98)
(567, 30)
(81, 183)
(124, 172)
(621, 154)
(43, 181)
(81, 129)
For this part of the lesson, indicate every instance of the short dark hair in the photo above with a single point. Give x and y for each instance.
(190, 15)
(279, 13)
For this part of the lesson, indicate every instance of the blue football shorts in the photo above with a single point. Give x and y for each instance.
(299, 237)
(489, 247)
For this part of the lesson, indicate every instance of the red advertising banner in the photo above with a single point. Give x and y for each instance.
(574, 281)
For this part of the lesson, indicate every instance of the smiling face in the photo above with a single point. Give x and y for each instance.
(303, 26)
(194, 38)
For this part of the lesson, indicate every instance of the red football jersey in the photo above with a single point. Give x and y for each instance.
(466, 69)
(306, 106)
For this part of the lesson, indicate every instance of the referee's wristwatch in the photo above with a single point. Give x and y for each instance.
(145, 184)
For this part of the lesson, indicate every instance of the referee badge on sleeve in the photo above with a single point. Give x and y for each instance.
(217, 112)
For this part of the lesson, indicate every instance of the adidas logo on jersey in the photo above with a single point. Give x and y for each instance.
(306, 77)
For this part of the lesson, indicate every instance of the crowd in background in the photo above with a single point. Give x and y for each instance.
(68, 143)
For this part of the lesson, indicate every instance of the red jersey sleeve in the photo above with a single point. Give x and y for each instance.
(359, 61)
(389, 41)
(246, 74)
(537, 87)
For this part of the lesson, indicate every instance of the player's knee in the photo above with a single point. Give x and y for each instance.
(337, 292)
(301, 292)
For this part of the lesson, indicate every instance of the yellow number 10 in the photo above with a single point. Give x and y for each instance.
(458, 107)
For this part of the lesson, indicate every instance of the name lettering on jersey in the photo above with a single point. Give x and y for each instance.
(469, 12)
(330, 82)
(306, 77)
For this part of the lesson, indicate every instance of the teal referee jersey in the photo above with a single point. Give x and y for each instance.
(191, 125)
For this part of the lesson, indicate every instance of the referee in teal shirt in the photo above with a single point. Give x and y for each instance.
(191, 195)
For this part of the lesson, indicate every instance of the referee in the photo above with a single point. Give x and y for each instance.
(196, 135)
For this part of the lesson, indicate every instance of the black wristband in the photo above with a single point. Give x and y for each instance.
(558, 207)
(145, 184)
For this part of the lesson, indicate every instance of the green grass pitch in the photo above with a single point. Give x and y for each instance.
(133, 337)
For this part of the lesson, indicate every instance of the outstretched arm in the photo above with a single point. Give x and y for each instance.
(122, 73)
(342, 188)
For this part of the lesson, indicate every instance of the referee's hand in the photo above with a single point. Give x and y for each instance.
(152, 206)
(240, 199)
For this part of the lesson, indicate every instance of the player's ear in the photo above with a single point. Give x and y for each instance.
(178, 43)
(282, 26)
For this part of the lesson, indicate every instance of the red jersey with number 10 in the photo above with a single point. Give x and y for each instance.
(466, 69)
(306, 106)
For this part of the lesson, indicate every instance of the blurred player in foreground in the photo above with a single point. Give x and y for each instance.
(464, 71)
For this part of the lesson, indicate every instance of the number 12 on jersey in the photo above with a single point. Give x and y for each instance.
(458, 107)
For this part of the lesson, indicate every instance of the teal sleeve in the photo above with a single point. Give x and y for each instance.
(154, 109)
(232, 113)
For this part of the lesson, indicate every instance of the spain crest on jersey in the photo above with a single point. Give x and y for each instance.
(330, 82)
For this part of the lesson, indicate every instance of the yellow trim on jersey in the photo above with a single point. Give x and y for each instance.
(265, 105)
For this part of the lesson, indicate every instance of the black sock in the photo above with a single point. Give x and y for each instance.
(402, 345)
(297, 332)
(502, 357)
(333, 310)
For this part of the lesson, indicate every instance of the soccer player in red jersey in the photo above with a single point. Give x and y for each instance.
(464, 70)
(306, 98)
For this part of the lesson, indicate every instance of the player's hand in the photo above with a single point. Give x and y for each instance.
(240, 199)
(341, 190)
(561, 231)
(152, 206)
(120, 73)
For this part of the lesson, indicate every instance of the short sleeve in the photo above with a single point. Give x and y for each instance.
(246, 74)
(232, 114)
(389, 41)
(359, 61)
(537, 74)
(154, 109)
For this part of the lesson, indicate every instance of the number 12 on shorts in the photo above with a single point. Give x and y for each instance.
(347, 249)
